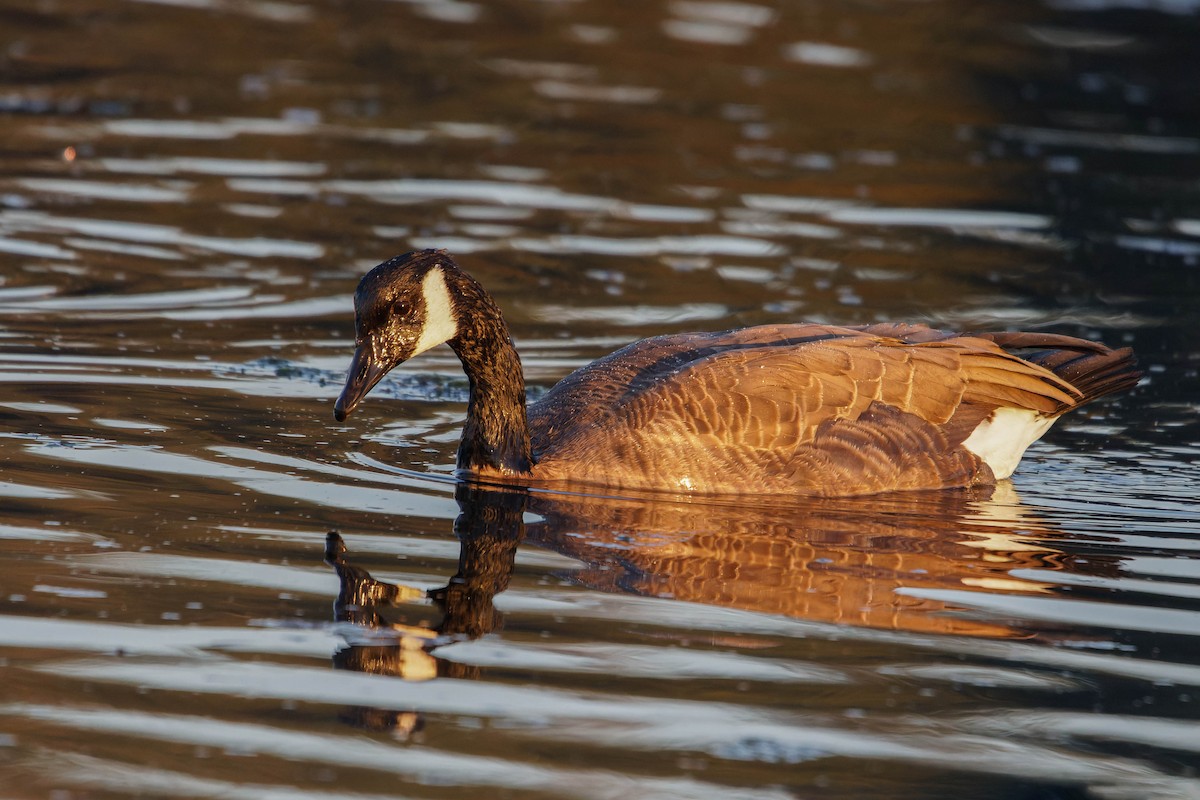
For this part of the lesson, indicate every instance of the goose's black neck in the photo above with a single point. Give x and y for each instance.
(496, 434)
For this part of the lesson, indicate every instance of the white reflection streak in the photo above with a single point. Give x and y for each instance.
(637, 661)
(258, 387)
(166, 640)
(224, 129)
(1155, 244)
(137, 779)
(446, 10)
(548, 70)
(109, 363)
(499, 192)
(632, 95)
(1076, 613)
(143, 232)
(1188, 227)
(129, 302)
(653, 213)
(411, 548)
(793, 204)
(137, 250)
(375, 544)
(205, 304)
(1130, 142)
(10, 293)
(721, 23)
(96, 190)
(938, 218)
(211, 130)
(146, 233)
(24, 491)
(43, 535)
(992, 676)
(254, 247)
(314, 581)
(631, 315)
(1171, 734)
(264, 309)
(1121, 584)
(658, 245)
(823, 54)
(228, 167)
(724, 12)
(706, 32)
(23, 247)
(764, 227)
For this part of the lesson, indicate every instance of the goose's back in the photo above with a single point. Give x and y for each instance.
(806, 408)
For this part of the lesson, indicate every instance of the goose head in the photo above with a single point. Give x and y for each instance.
(402, 308)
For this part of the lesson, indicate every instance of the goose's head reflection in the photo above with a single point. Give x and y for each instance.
(860, 562)
(489, 527)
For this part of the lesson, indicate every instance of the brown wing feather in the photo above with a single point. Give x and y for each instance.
(809, 408)
(1093, 369)
(1086, 370)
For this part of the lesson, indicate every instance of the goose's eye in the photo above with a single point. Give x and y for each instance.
(401, 309)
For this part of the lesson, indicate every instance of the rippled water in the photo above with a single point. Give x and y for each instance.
(188, 193)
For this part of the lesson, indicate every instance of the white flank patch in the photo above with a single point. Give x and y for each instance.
(440, 322)
(1001, 439)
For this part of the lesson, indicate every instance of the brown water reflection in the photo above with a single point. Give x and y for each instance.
(826, 561)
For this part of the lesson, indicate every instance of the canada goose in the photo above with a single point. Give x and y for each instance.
(776, 409)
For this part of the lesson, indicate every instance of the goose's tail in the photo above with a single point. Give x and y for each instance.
(1094, 369)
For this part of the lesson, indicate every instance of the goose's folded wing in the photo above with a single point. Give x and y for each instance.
(774, 396)
(835, 408)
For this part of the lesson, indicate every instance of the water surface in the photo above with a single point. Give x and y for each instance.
(188, 194)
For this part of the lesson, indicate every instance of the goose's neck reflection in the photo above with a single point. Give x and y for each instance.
(489, 528)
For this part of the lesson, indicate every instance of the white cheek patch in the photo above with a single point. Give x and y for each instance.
(440, 322)
(1001, 439)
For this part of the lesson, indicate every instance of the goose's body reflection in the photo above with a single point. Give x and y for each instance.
(846, 562)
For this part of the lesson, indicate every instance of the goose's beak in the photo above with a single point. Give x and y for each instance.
(362, 376)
